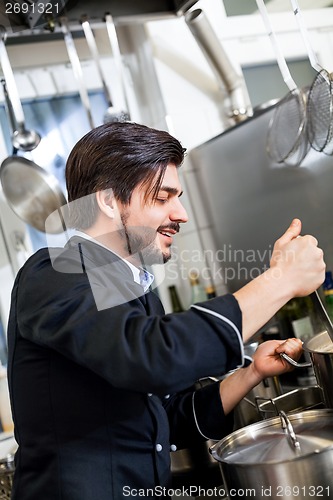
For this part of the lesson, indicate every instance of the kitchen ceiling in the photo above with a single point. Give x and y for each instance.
(244, 7)
(20, 15)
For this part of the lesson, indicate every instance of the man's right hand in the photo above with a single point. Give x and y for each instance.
(297, 268)
(298, 260)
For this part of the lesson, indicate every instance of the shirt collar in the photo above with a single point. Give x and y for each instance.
(140, 275)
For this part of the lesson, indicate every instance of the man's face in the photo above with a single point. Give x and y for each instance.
(149, 225)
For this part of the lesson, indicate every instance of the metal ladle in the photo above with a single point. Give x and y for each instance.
(77, 68)
(123, 115)
(112, 114)
(22, 139)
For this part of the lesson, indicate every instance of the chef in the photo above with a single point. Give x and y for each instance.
(101, 379)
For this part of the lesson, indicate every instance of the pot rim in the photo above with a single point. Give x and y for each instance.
(268, 423)
(324, 334)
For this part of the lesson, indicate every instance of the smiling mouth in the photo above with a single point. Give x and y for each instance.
(169, 231)
(168, 234)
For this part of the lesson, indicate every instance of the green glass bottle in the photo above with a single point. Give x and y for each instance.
(175, 300)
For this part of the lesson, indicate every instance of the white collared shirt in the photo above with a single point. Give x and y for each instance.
(140, 275)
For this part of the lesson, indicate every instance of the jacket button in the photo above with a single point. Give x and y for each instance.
(167, 396)
(173, 447)
(158, 447)
(150, 394)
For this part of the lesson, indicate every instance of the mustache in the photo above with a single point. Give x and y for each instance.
(174, 226)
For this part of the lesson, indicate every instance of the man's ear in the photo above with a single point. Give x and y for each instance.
(106, 202)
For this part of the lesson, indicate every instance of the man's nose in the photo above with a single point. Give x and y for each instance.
(178, 213)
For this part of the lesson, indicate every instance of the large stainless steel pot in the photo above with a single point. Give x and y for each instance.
(320, 351)
(279, 458)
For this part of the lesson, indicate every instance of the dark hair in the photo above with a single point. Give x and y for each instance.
(119, 156)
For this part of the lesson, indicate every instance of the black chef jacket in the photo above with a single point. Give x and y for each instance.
(101, 388)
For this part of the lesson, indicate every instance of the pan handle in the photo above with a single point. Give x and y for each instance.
(288, 79)
(292, 362)
(304, 32)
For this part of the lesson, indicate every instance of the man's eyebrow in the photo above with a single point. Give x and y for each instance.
(171, 190)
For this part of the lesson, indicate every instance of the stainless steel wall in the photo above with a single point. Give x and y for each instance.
(249, 201)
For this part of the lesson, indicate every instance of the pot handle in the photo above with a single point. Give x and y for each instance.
(292, 362)
(289, 431)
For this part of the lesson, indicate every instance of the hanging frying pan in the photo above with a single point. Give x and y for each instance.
(31, 192)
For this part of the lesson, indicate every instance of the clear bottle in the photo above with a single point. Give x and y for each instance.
(175, 300)
(198, 293)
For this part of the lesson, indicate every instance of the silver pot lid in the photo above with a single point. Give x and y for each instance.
(268, 442)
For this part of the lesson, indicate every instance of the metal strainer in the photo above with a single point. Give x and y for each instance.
(320, 99)
(287, 140)
(320, 113)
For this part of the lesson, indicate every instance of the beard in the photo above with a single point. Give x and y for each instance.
(141, 243)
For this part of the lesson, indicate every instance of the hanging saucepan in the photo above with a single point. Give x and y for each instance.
(112, 114)
(22, 139)
(31, 192)
(282, 457)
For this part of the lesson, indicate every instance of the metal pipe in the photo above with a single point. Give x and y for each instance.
(220, 63)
